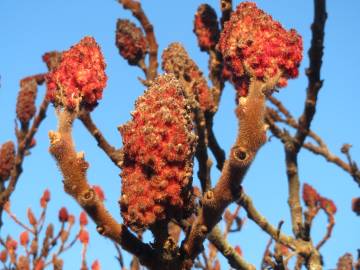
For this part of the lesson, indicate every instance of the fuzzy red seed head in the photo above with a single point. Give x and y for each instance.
(355, 205)
(24, 238)
(25, 104)
(80, 78)
(63, 214)
(96, 265)
(7, 160)
(176, 60)
(99, 192)
(130, 41)
(254, 45)
(310, 195)
(158, 147)
(328, 206)
(206, 27)
(84, 236)
(83, 219)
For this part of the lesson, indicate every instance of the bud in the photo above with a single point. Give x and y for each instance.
(31, 217)
(238, 250)
(23, 263)
(158, 147)
(95, 265)
(328, 206)
(254, 45)
(7, 160)
(39, 265)
(206, 27)
(3, 256)
(310, 196)
(24, 238)
(63, 215)
(83, 219)
(45, 198)
(25, 104)
(11, 244)
(84, 236)
(345, 262)
(130, 41)
(176, 60)
(80, 78)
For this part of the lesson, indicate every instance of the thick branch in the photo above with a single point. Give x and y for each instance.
(251, 137)
(73, 167)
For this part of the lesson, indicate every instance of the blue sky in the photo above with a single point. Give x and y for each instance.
(30, 28)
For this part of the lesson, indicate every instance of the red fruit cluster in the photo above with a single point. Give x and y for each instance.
(206, 27)
(7, 160)
(25, 104)
(158, 147)
(130, 41)
(176, 60)
(254, 45)
(80, 78)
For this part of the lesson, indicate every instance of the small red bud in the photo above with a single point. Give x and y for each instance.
(84, 236)
(24, 238)
(99, 192)
(63, 215)
(96, 265)
(83, 219)
(31, 217)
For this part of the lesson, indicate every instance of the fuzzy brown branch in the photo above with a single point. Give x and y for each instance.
(73, 167)
(251, 137)
(138, 13)
(114, 154)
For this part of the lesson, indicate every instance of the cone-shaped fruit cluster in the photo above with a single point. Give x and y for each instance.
(158, 147)
(130, 41)
(7, 160)
(25, 105)
(176, 60)
(206, 27)
(254, 45)
(80, 78)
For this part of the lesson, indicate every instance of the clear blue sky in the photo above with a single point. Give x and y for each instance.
(30, 28)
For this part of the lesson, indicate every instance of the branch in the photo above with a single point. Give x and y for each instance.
(313, 72)
(73, 167)
(138, 12)
(114, 154)
(226, 9)
(251, 137)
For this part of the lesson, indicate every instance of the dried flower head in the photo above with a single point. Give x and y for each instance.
(130, 41)
(310, 195)
(158, 146)
(176, 60)
(80, 78)
(25, 104)
(355, 205)
(7, 160)
(254, 45)
(206, 27)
